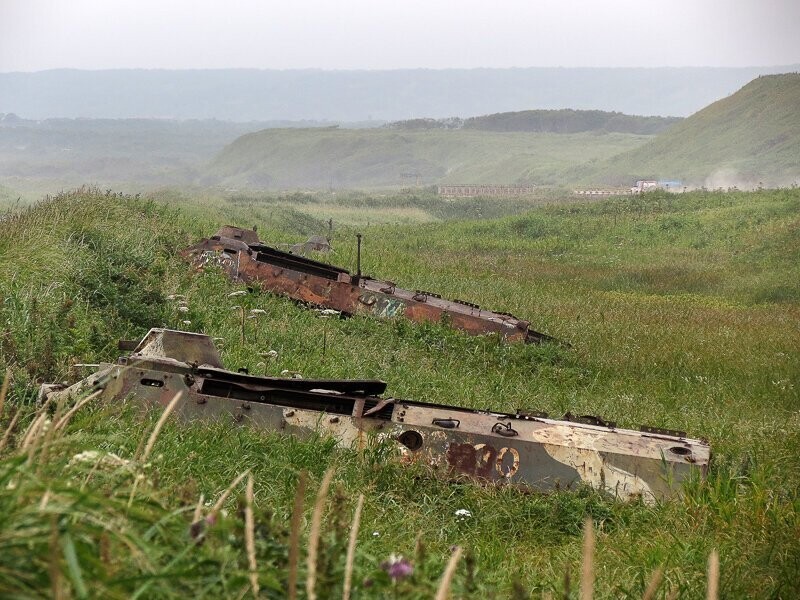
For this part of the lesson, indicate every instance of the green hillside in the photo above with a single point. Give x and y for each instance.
(681, 311)
(341, 158)
(749, 137)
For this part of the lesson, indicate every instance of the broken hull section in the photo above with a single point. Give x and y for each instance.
(517, 449)
(239, 253)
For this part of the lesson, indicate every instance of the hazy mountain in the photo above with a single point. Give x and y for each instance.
(246, 95)
(750, 137)
(106, 151)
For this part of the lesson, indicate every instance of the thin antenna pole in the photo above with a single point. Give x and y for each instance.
(358, 259)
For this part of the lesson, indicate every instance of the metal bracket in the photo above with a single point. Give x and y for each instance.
(504, 429)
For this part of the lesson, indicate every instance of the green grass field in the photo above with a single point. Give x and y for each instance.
(682, 312)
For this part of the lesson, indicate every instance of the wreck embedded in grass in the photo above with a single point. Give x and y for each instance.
(244, 258)
(524, 449)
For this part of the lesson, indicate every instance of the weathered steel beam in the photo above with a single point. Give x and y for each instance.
(525, 449)
(244, 258)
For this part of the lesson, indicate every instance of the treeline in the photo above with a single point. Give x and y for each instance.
(547, 121)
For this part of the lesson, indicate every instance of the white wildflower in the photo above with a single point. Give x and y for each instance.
(237, 293)
(101, 459)
(257, 311)
(462, 514)
(183, 309)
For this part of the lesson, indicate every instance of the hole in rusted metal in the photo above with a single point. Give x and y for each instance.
(447, 423)
(411, 439)
(680, 450)
(152, 382)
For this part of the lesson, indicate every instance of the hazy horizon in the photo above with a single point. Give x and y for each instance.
(773, 68)
(366, 35)
(359, 95)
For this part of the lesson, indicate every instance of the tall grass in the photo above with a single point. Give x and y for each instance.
(79, 271)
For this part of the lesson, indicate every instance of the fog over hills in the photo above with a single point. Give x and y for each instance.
(249, 94)
(750, 137)
(367, 158)
(747, 137)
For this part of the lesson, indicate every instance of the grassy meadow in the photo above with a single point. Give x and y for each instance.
(682, 311)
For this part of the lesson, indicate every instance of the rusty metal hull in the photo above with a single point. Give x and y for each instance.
(518, 449)
(239, 253)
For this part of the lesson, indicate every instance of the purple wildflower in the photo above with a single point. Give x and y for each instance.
(397, 567)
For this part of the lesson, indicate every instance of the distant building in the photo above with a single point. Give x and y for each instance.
(644, 185)
(649, 185)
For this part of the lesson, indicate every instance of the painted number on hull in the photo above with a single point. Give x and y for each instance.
(483, 460)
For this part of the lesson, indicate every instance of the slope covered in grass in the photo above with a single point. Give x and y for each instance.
(341, 158)
(749, 137)
(682, 312)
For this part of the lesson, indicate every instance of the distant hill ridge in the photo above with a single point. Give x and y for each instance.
(547, 121)
(750, 137)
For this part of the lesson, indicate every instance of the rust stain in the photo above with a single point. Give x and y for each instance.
(240, 254)
(519, 449)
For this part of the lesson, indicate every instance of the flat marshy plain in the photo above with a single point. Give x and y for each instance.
(682, 311)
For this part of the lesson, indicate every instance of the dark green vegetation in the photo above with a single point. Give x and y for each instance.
(682, 311)
(547, 121)
(570, 121)
(749, 137)
(417, 205)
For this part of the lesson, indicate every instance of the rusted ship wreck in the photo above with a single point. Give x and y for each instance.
(245, 258)
(525, 449)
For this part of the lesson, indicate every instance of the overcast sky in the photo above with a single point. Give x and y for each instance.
(391, 34)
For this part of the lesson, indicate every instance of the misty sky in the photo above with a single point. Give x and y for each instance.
(379, 34)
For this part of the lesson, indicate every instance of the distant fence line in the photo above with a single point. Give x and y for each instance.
(464, 191)
(619, 192)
